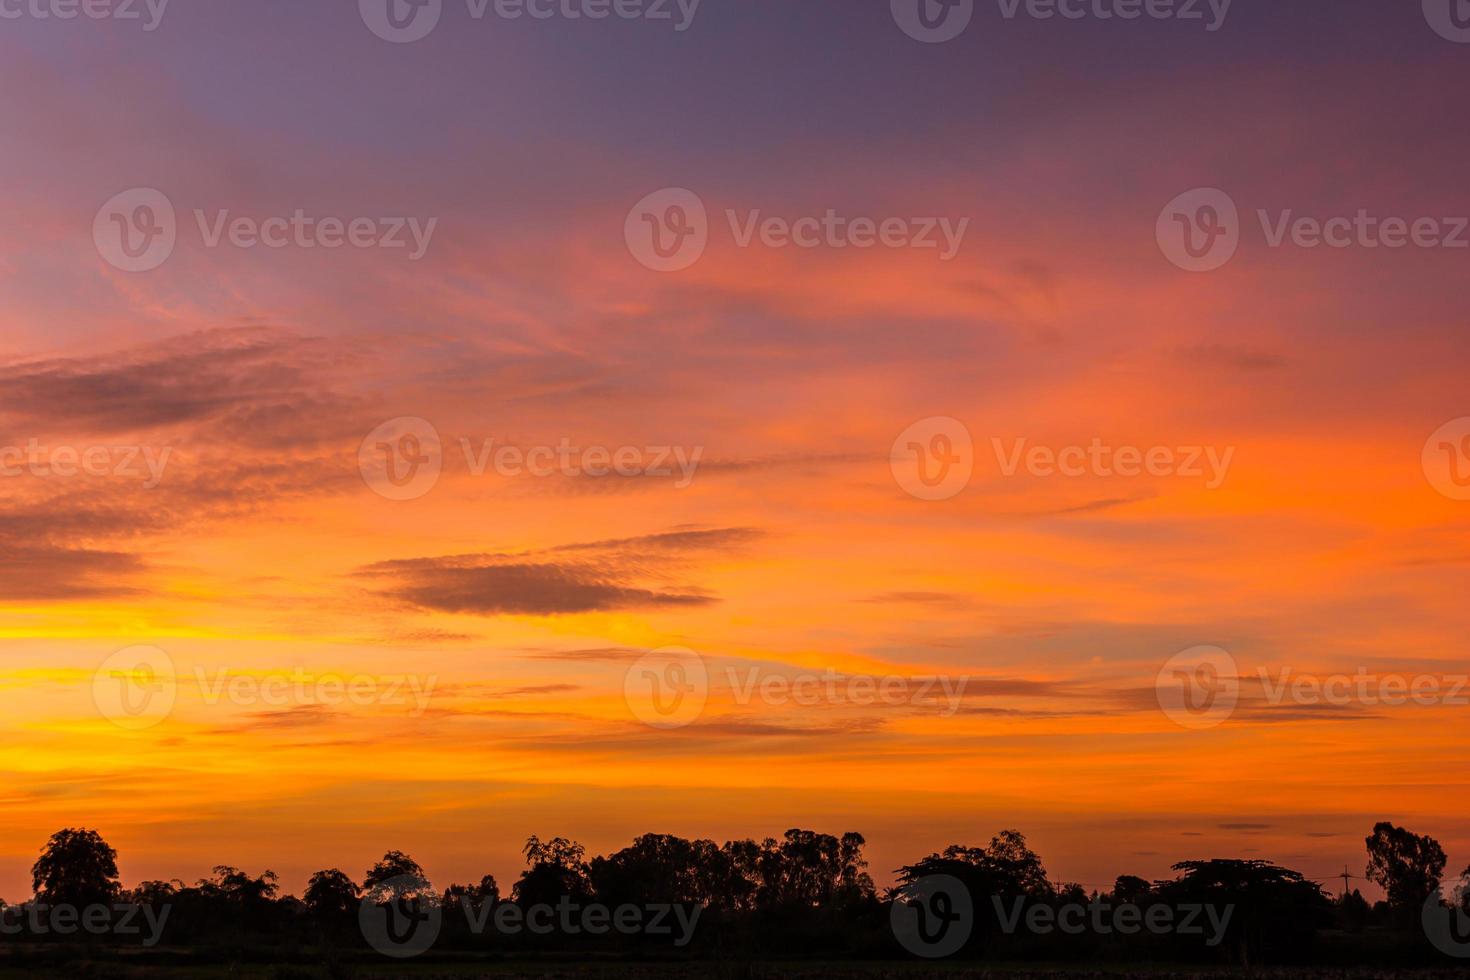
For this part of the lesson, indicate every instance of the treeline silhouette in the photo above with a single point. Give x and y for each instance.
(806, 894)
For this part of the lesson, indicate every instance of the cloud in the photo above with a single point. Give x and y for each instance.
(249, 385)
(46, 572)
(1242, 359)
(605, 575)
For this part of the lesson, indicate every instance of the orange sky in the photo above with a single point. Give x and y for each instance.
(515, 605)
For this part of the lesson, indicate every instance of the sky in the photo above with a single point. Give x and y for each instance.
(845, 457)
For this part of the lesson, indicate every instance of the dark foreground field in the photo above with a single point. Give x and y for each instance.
(186, 968)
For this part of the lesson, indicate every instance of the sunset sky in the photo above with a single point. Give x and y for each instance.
(518, 603)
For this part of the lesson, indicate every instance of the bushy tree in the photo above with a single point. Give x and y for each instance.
(76, 867)
(1407, 865)
(396, 877)
(331, 896)
(554, 868)
(1276, 912)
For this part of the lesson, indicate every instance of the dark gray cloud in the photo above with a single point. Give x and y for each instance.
(604, 575)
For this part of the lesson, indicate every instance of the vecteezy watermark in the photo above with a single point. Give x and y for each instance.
(134, 462)
(1361, 687)
(137, 230)
(1201, 230)
(1448, 928)
(809, 690)
(406, 21)
(1207, 463)
(1103, 918)
(1446, 459)
(300, 687)
(401, 917)
(669, 230)
(933, 917)
(933, 459)
(135, 688)
(667, 688)
(150, 12)
(405, 925)
(566, 459)
(937, 21)
(403, 458)
(1449, 18)
(1199, 687)
(122, 920)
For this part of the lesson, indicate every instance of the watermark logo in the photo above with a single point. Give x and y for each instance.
(1447, 928)
(933, 917)
(1199, 231)
(1446, 459)
(1363, 688)
(136, 687)
(668, 230)
(1449, 18)
(121, 920)
(145, 463)
(667, 688)
(933, 21)
(90, 9)
(1180, 10)
(298, 687)
(400, 918)
(401, 21)
(933, 459)
(1198, 688)
(401, 459)
(809, 690)
(1099, 459)
(406, 21)
(678, 463)
(136, 231)
(1103, 918)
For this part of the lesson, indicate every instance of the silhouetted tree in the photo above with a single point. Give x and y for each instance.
(1276, 912)
(1006, 867)
(76, 867)
(1407, 865)
(813, 870)
(396, 876)
(155, 893)
(1461, 896)
(331, 897)
(1354, 911)
(238, 901)
(1131, 889)
(659, 868)
(554, 868)
(476, 895)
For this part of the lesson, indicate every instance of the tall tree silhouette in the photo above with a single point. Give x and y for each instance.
(1407, 865)
(76, 867)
